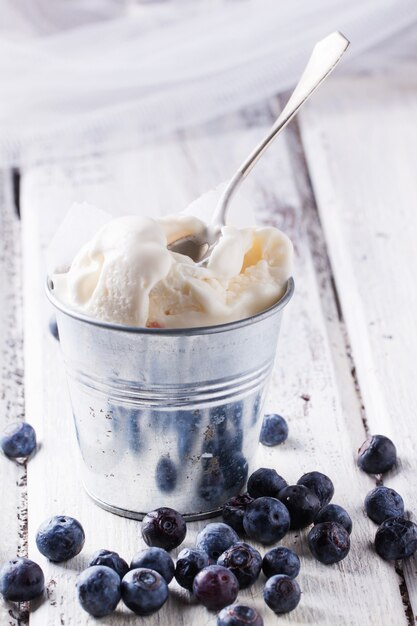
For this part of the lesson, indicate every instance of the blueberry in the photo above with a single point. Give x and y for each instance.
(377, 455)
(256, 409)
(244, 561)
(164, 528)
(234, 466)
(334, 513)
(396, 538)
(266, 520)
(235, 414)
(157, 559)
(265, 482)
(144, 591)
(211, 487)
(274, 430)
(186, 424)
(281, 560)
(215, 538)
(110, 559)
(21, 580)
(329, 542)
(239, 615)
(382, 503)
(302, 504)
(60, 538)
(218, 418)
(319, 484)
(282, 594)
(18, 440)
(133, 417)
(215, 587)
(98, 590)
(190, 561)
(166, 474)
(234, 509)
(53, 327)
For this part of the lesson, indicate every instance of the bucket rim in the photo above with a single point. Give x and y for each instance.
(178, 332)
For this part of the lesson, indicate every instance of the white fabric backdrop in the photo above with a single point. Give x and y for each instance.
(102, 72)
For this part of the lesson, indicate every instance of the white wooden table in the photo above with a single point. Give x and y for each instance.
(343, 185)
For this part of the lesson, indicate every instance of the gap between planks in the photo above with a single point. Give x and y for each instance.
(365, 191)
(310, 346)
(13, 510)
(338, 333)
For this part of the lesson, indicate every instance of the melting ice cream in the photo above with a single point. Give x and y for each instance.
(125, 274)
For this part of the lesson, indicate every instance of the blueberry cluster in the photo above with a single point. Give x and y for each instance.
(268, 510)
(214, 570)
(272, 507)
(396, 537)
(217, 567)
(222, 562)
(59, 539)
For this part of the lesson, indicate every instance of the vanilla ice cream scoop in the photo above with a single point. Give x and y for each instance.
(125, 274)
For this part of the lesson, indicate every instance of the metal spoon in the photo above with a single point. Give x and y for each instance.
(324, 58)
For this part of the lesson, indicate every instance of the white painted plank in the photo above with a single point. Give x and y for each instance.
(365, 179)
(13, 512)
(323, 434)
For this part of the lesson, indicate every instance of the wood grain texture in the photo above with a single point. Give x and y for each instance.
(311, 385)
(365, 179)
(13, 509)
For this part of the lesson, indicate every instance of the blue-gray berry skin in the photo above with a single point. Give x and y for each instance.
(21, 580)
(190, 561)
(215, 538)
(281, 560)
(110, 559)
(234, 466)
(98, 590)
(244, 561)
(211, 486)
(266, 520)
(282, 594)
(274, 430)
(234, 509)
(144, 591)
(60, 538)
(319, 484)
(18, 440)
(166, 474)
(164, 528)
(53, 327)
(215, 587)
(329, 542)
(239, 615)
(396, 538)
(157, 559)
(302, 504)
(377, 455)
(382, 503)
(334, 513)
(265, 482)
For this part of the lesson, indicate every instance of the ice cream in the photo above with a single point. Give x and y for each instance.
(125, 274)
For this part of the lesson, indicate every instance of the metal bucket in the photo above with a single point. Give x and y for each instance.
(167, 417)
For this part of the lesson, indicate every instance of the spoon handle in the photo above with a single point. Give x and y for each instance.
(324, 58)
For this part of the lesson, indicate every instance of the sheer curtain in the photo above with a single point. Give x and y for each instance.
(113, 73)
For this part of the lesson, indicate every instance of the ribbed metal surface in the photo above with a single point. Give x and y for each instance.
(167, 419)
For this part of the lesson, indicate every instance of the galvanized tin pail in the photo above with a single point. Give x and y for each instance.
(167, 417)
